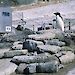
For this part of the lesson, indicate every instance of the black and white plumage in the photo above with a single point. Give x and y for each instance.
(59, 21)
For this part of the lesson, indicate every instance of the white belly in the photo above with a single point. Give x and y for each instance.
(60, 23)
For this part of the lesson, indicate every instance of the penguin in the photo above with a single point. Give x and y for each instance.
(59, 21)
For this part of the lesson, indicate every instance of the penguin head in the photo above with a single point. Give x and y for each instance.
(57, 13)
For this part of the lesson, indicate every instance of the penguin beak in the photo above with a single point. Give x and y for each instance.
(57, 13)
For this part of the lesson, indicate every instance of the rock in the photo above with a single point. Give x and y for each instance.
(5, 45)
(59, 35)
(2, 52)
(26, 68)
(66, 48)
(44, 57)
(1, 55)
(11, 69)
(31, 68)
(43, 36)
(17, 45)
(31, 45)
(20, 69)
(18, 42)
(65, 56)
(31, 53)
(49, 48)
(19, 27)
(56, 42)
(47, 67)
(67, 39)
(73, 37)
(7, 67)
(10, 54)
(71, 72)
(44, 67)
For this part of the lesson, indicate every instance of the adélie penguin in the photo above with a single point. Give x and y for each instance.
(59, 21)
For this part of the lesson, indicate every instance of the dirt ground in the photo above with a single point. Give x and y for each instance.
(30, 6)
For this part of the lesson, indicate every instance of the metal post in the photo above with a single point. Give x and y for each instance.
(69, 25)
(22, 16)
(22, 19)
(33, 27)
(23, 22)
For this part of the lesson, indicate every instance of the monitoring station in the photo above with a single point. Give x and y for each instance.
(5, 19)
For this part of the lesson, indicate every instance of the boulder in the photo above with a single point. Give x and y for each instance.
(67, 48)
(31, 45)
(48, 35)
(44, 57)
(65, 56)
(73, 37)
(44, 67)
(13, 53)
(20, 28)
(2, 52)
(20, 69)
(56, 42)
(31, 68)
(6, 67)
(49, 48)
(5, 45)
(17, 45)
(59, 35)
(17, 42)
(48, 67)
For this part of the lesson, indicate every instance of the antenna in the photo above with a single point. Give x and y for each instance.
(22, 16)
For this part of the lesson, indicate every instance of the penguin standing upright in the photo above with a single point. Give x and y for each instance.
(59, 21)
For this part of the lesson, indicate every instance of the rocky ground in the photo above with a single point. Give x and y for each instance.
(11, 53)
(19, 35)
